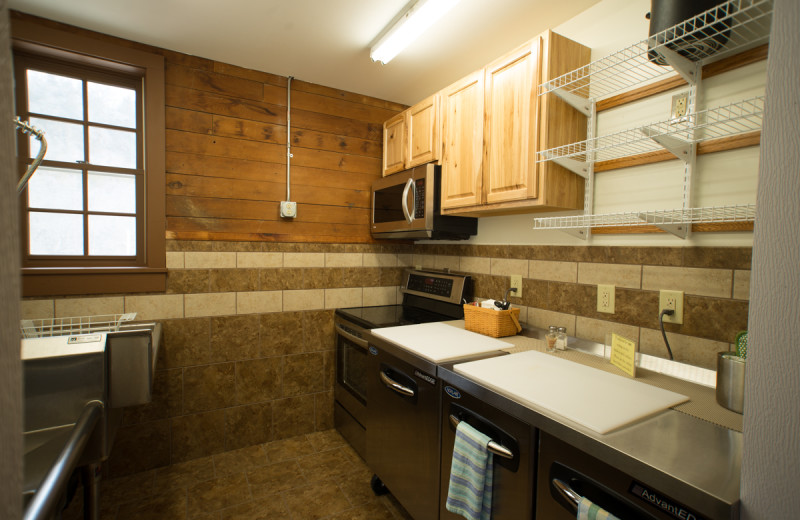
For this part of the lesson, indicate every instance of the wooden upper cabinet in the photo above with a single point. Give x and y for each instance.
(462, 141)
(422, 125)
(510, 128)
(394, 144)
(517, 123)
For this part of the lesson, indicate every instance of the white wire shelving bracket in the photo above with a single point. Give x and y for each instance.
(674, 221)
(727, 29)
(721, 31)
(675, 135)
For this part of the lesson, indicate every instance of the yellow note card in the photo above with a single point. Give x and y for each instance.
(623, 352)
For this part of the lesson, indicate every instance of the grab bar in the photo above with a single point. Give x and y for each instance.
(27, 128)
(497, 449)
(52, 487)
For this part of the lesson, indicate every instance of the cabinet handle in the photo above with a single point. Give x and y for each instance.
(495, 447)
(409, 216)
(394, 385)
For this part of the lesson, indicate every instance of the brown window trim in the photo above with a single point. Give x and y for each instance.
(150, 276)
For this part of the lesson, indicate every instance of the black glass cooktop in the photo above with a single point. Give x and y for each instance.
(389, 316)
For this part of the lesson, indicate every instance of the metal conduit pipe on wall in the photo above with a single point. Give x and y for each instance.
(288, 208)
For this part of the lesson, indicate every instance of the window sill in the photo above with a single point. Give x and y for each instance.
(45, 281)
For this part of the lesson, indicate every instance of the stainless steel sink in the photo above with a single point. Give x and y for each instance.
(110, 365)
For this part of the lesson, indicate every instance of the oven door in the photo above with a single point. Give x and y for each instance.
(402, 204)
(351, 368)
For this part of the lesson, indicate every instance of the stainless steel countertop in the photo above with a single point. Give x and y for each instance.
(693, 461)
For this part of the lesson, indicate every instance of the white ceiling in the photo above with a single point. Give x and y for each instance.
(320, 41)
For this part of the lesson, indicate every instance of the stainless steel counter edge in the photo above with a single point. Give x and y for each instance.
(672, 452)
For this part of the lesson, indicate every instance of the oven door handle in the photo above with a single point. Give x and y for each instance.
(495, 447)
(358, 341)
(409, 216)
(394, 385)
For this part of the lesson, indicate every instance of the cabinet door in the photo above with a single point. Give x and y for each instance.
(511, 125)
(394, 144)
(422, 125)
(462, 142)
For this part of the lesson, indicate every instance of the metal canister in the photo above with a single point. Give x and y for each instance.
(730, 381)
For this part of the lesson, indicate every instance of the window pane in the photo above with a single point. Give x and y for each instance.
(112, 192)
(112, 236)
(112, 105)
(55, 95)
(112, 147)
(55, 188)
(56, 234)
(64, 140)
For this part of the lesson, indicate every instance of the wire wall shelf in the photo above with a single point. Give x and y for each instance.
(721, 31)
(669, 219)
(74, 325)
(675, 135)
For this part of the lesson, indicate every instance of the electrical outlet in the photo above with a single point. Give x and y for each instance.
(680, 105)
(605, 298)
(516, 283)
(671, 300)
(288, 209)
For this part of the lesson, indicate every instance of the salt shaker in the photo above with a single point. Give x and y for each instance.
(561, 338)
(551, 338)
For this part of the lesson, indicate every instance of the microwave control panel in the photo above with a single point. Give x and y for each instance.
(419, 199)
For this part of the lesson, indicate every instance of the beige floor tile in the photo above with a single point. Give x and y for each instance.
(219, 493)
(268, 508)
(237, 461)
(317, 500)
(290, 448)
(325, 465)
(274, 478)
(356, 486)
(374, 510)
(325, 440)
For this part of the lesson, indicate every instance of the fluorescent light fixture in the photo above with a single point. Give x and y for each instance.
(412, 23)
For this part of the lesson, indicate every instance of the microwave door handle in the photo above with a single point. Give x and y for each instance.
(409, 216)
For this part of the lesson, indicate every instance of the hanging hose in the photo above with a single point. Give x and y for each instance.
(28, 129)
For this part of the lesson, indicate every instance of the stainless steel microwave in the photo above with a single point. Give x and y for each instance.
(407, 205)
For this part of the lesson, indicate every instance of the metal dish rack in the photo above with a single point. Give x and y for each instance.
(74, 325)
(722, 31)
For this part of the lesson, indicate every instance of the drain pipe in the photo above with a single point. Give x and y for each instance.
(288, 209)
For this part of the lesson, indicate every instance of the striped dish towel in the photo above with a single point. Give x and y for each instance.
(470, 491)
(587, 510)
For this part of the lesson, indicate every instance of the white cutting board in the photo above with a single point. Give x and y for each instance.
(598, 400)
(438, 342)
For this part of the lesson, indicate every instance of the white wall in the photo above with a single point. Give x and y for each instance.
(719, 179)
(771, 458)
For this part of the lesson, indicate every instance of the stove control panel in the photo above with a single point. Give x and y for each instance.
(435, 285)
(430, 285)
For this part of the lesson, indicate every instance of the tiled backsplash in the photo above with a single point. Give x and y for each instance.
(248, 355)
(560, 288)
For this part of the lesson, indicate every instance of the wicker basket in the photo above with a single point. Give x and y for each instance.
(492, 322)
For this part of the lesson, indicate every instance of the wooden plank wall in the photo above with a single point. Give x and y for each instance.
(226, 152)
(226, 155)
